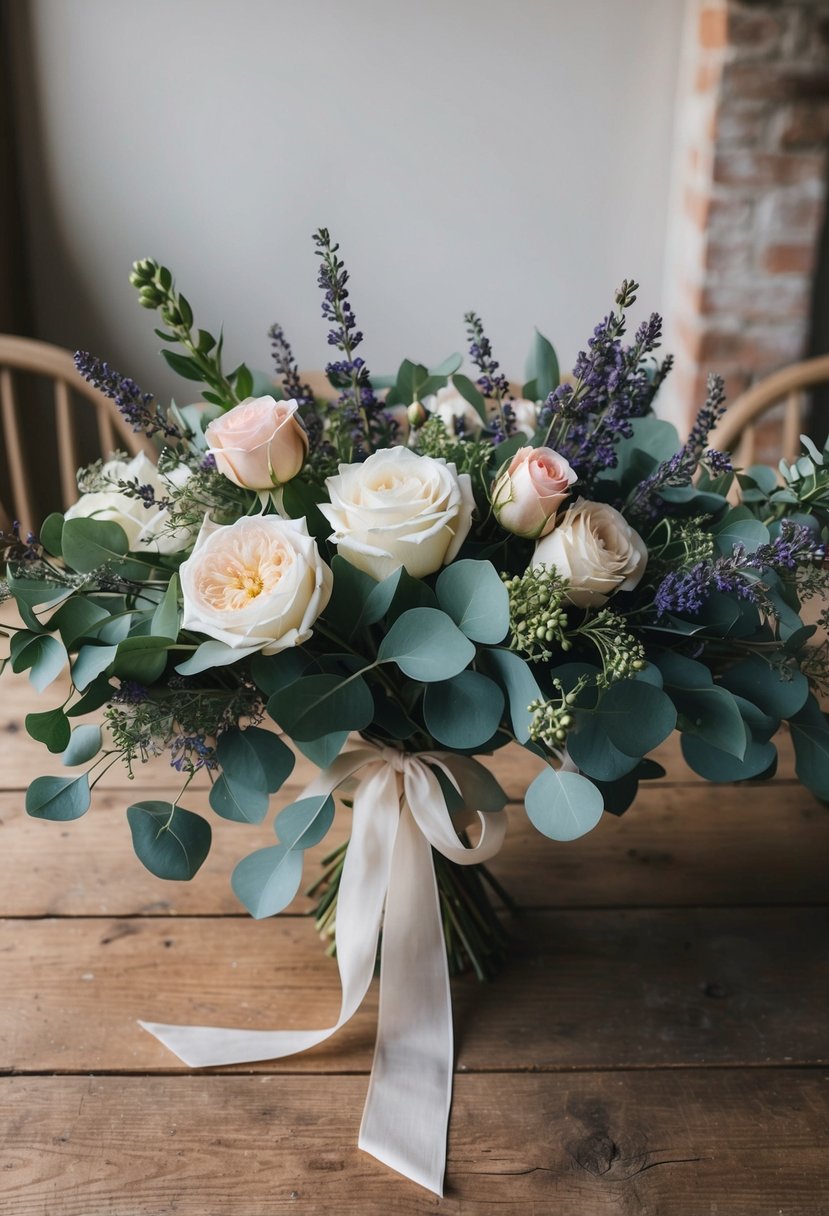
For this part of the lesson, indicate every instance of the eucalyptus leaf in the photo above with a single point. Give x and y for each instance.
(51, 727)
(165, 621)
(90, 662)
(142, 659)
(215, 654)
(426, 645)
(470, 393)
(810, 736)
(474, 596)
(51, 534)
(41, 654)
(463, 712)
(779, 691)
(516, 678)
(170, 841)
(714, 764)
(84, 744)
(542, 367)
(266, 881)
(563, 805)
(78, 618)
(58, 798)
(303, 824)
(636, 717)
(323, 704)
(323, 751)
(90, 543)
(593, 752)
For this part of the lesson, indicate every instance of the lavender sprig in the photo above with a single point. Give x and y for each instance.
(678, 470)
(359, 406)
(491, 382)
(139, 409)
(294, 387)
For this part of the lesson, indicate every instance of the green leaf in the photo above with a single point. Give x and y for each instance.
(272, 672)
(714, 764)
(563, 805)
(471, 394)
(593, 752)
(85, 743)
(474, 596)
(50, 727)
(255, 763)
(273, 756)
(238, 799)
(739, 527)
(90, 543)
(542, 366)
(165, 623)
(810, 736)
(320, 705)
(759, 682)
(142, 659)
(301, 501)
(31, 593)
(43, 655)
(713, 715)
(215, 654)
(267, 880)
(51, 534)
(303, 824)
(243, 382)
(324, 751)
(171, 842)
(352, 588)
(463, 712)
(183, 365)
(78, 618)
(58, 798)
(519, 683)
(99, 692)
(91, 662)
(636, 717)
(409, 593)
(426, 645)
(448, 367)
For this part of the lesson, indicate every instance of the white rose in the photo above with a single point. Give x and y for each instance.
(525, 414)
(455, 412)
(257, 582)
(145, 527)
(399, 509)
(596, 550)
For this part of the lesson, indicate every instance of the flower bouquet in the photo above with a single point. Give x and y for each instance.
(438, 564)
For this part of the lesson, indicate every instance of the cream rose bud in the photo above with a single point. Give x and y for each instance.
(529, 490)
(259, 444)
(259, 582)
(455, 412)
(399, 509)
(525, 415)
(596, 550)
(145, 527)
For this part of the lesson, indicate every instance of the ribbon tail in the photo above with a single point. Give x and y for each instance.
(410, 1092)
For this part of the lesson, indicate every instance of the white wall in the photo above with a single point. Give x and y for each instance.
(511, 156)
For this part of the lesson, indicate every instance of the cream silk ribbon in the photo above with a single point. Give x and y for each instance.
(400, 815)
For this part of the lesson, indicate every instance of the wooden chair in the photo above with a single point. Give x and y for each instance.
(42, 359)
(736, 432)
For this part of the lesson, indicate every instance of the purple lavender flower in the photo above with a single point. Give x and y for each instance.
(139, 409)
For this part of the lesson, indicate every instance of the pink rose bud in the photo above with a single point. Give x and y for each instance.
(259, 444)
(528, 492)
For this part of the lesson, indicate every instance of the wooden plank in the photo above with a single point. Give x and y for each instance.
(581, 990)
(677, 846)
(734, 1142)
(22, 758)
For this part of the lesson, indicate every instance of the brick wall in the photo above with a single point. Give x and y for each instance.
(751, 170)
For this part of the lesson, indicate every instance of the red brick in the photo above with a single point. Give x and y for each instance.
(760, 80)
(805, 126)
(713, 27)
(796, 212)
(753, 31)
(762, 169)
(790, 259)
(697, 207)
(740, 125)
(728, 257)
(707, 76)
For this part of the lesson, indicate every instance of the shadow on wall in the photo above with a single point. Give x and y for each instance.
(47, 256)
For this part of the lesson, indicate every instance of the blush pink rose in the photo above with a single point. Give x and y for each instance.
(528, 492)
(259, 444)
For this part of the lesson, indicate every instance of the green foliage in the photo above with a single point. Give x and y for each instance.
(464, 712)
(322, 704)
(810, 736)
(267, 880)
(91, 543)
(50, 727)
(42, 655)
(520, 685)
(542, 369)
(83, 746)
(171, 842)
(474, 596)
(255, 763)
(58, 798)
(563, 805)
(426, 645)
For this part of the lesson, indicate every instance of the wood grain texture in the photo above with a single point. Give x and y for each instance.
(672, 1143)
(582, 989)
(676, 846)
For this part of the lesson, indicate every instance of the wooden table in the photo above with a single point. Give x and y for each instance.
(658, 1043)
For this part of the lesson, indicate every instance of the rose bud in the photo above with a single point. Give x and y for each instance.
(529, 490)
(259, 444)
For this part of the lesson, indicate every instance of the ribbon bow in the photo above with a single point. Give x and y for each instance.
(400, 815)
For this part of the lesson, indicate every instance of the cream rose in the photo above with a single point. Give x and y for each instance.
(399, 509)
(259, 444)
(455, 412)
(529, 491)
(259, 582)
(596, 550)
(145, 527)
(525, 415)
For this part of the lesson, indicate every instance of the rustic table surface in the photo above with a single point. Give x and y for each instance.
(658, 1043)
